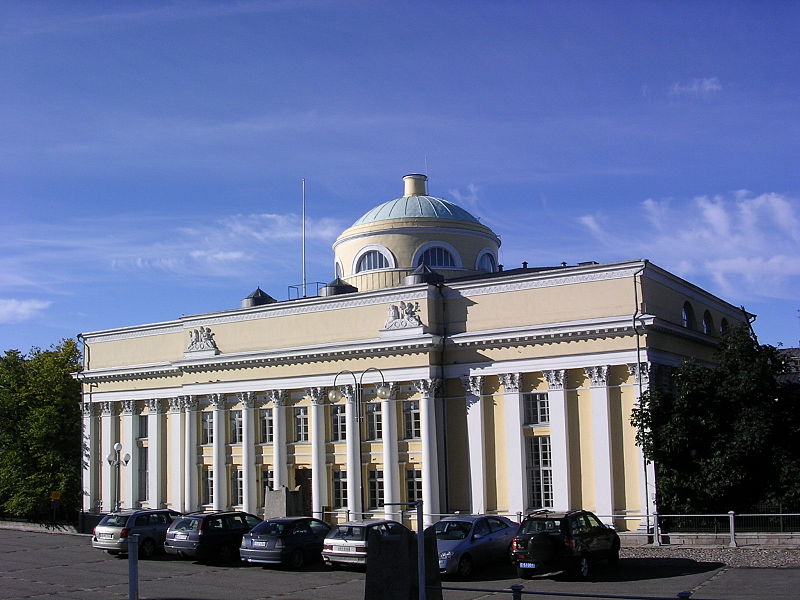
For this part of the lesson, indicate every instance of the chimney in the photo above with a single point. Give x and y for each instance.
(415, 185)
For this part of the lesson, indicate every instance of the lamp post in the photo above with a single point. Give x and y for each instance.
(383, 391)
(115, 461)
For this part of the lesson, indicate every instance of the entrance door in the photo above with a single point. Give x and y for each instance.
(302, 478)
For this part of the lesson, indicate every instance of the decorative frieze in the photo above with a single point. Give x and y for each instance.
(510, 382)
(555, 378)
(403, 316)
(597, 375)
(202, 340)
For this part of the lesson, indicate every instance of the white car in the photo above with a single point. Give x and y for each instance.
(346, 543)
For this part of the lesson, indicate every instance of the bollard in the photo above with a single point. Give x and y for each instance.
(732, 526)
(656, 535)
(133, 567)
(516, 591)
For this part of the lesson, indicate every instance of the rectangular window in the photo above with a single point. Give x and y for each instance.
(540, 473)
(301, 424)
(143, 490)
(267, 426)
(375, 489)
(237, 487)
(338, 423)
(267, 478)
(236, 427)
(339, 489)
(411, 419)
(207, 486)
(142, 426)
(413, 485)
(374, 422)
(537, 409)
(208, 428)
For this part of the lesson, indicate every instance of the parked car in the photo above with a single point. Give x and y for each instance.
(346, 543)
(465, 542)
(209, 535)
(571, 542)
(112, 532)
(290, 541)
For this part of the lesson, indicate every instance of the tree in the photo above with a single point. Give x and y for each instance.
(727, 437)
(40, 430)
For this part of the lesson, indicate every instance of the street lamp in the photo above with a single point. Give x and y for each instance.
(383, 391)
(115, 461)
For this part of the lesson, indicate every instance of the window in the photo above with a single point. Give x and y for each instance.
(267, 426)
(375, 489)
(237, 488)
(338, 423)
(413, 485)
(339, 489)
(301, 424)
(723, 326)
(207, 486)
(374, 422)
(371, 260)
(236, 427)
(540, 475)
(687, 314)
(436, 257)
(708, 323)
(487, 263)
(143, 490)
(537, 409)
(208, 428)
(142, 426)
(338, 270)
(411, 419)
(267, 478)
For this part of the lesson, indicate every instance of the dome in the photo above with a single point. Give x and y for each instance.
(414, 204)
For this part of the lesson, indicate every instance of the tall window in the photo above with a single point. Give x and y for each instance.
(371, 260)
(339, 489)
(207, 486)
(375, 489)
(267, 478)
(338, 423)
(208, 428)
(236, 427)
(487, 263)
(267, 426)
(708, 323)
(436, 257)
(540, 474)
(537, 409)
(143, 490)
(142, 427)
(723, 326)
(411, 419)
(301, 424)
(374, 421)
(687, 314)
(237, 488)
(413, 485)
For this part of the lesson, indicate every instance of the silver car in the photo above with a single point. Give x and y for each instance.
(112, 532)
(346, 543)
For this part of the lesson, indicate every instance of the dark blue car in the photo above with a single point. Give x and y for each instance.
(465, 542)
(290, 541)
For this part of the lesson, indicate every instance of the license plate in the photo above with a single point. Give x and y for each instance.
(181, 536)
(341, 548)
(259, 544)
(105, 536)
(527, 565)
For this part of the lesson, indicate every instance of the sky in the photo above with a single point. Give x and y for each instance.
(152, 153)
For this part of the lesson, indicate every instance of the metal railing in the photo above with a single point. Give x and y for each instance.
(517, 591)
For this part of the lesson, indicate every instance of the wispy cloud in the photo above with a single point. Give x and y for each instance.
(14, 311)
(696, 88)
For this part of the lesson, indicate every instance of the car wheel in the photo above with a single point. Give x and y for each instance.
(465, 566)
(296, 559)
(582, 568)
(147, 549)
(524, 573)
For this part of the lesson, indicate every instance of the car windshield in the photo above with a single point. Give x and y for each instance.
(348, 532)
(114, 520)
(269, 528)
(452, 530)
(186, 525)
(542, 525)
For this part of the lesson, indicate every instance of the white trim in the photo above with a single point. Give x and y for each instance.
(382, 250)
(437, 244)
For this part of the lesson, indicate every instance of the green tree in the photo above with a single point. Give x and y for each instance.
(40, 430)
(727, 437)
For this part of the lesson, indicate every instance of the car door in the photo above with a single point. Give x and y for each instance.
(602, 537)
(319, 530)
(481, 541)
(500, 536)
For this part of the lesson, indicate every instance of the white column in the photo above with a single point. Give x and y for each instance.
(129, 434)
(177, 443)
(190, 469)
(391, 461)
(559, 439)
(430, 450)
(247, 400)
(647, 489)
(108, 439)
(218, 453)
(601, 443)
(354, 503)
(155, 452)
(516, 473)
(319, 474)
(475, 440)
(92, 461)
(279, 462)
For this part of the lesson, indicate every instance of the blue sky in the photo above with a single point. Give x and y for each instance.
(151, 153)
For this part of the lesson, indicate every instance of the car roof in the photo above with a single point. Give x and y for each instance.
(470, 518)
(365, 523)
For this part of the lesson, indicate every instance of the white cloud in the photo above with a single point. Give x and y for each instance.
(697, 88)
(14, 311)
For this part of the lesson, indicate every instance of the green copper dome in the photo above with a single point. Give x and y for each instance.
(408, 207)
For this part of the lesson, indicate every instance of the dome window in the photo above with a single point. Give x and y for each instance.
(487, 263)
(370, 261)
(687, 316)
(436, 257)
(708, 323)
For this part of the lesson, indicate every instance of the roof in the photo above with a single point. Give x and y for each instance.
(407, 207)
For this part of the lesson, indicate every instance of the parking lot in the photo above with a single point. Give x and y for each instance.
(42, 566)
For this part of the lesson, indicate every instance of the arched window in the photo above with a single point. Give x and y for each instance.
(688, 316)
(487, 263)
(436, 257)
(708, 323)
(371, 260)
(723, 326)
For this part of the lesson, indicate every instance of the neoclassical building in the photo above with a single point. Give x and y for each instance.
(457, 382)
